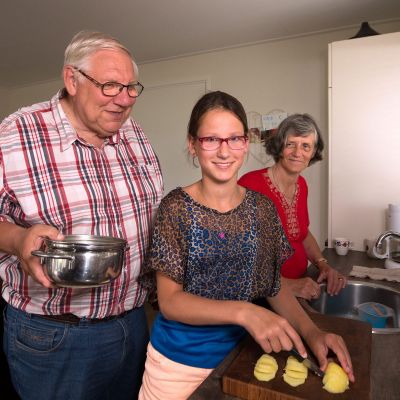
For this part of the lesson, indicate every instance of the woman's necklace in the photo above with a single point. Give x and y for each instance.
(289, 197)
(219, 213)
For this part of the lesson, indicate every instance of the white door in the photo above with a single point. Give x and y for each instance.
(163, 112)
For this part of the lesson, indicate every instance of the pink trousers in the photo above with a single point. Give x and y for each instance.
(165, 379)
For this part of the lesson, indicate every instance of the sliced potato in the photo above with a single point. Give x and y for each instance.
(265, 368)
(294, 365)
(295, 372)
(290, 380)
(264, 376)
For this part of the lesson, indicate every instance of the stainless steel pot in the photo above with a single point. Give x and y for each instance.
(82, 260)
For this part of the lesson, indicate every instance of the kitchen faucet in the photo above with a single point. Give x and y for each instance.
(382, 238)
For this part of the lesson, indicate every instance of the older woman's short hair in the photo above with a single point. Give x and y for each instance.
(297, 125)
(85, 43)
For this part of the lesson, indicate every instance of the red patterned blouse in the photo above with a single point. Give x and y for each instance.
(294, 217)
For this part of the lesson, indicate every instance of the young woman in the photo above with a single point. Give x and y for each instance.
(217, 246)
(295, 145)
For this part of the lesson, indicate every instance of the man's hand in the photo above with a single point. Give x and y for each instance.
(32, 239)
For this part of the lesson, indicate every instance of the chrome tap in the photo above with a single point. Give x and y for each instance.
(377, 250)
(385, 235)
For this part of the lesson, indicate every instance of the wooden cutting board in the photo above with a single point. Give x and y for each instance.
(238, 379)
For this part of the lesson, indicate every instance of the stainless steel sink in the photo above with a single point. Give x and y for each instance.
(358, 292)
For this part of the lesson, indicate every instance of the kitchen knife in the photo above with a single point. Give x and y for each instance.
(307, 362)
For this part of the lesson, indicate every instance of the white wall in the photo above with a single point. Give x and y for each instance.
(157, 111)
(4, 99)
(288, 74)
(30, 94)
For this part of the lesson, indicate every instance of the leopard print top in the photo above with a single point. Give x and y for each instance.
(235, 255)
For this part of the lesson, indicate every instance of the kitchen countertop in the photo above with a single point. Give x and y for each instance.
(385, 362)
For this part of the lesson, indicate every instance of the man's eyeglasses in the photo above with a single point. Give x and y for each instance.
(214, 143)
(111, 89)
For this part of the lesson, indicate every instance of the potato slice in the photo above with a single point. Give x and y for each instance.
(295, 372)
(335, 379)
(294, 365)
(265, 368)
(290, 380)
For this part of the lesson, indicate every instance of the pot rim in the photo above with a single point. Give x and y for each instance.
(87, 242)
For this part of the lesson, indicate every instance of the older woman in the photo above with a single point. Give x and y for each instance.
(295, 145)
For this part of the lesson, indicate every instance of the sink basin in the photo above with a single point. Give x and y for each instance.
(346, 303)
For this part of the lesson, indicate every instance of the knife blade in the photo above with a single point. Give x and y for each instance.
(311, 365)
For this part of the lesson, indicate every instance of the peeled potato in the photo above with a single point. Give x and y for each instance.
(335, 379)
(295, 372)
(265, 368)
(294, 365)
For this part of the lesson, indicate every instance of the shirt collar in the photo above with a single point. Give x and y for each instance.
(68, 135)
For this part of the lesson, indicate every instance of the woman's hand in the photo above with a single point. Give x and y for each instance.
(305, 288)
(320, 342)
(335, 281)
(271, 331)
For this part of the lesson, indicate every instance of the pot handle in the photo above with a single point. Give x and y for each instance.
(42, 254)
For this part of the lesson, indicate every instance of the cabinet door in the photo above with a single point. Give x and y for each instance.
(364, 135)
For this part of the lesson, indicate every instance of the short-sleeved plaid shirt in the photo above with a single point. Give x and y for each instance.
(50, 176)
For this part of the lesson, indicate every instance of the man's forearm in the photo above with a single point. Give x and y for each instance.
(9, 237)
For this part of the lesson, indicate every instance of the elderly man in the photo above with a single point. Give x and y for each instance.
(77, 164)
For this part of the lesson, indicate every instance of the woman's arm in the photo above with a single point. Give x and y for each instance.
(286, 305)
(271, 331)
(335, 281)
(305, 288)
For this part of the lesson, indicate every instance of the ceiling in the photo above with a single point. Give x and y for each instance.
(34, 34)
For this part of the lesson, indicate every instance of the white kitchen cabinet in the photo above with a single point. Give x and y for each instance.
(364, 135)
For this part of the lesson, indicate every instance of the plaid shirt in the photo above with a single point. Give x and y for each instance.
(50, 176)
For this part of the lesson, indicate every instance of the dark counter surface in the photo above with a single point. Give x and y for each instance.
(384, 369)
